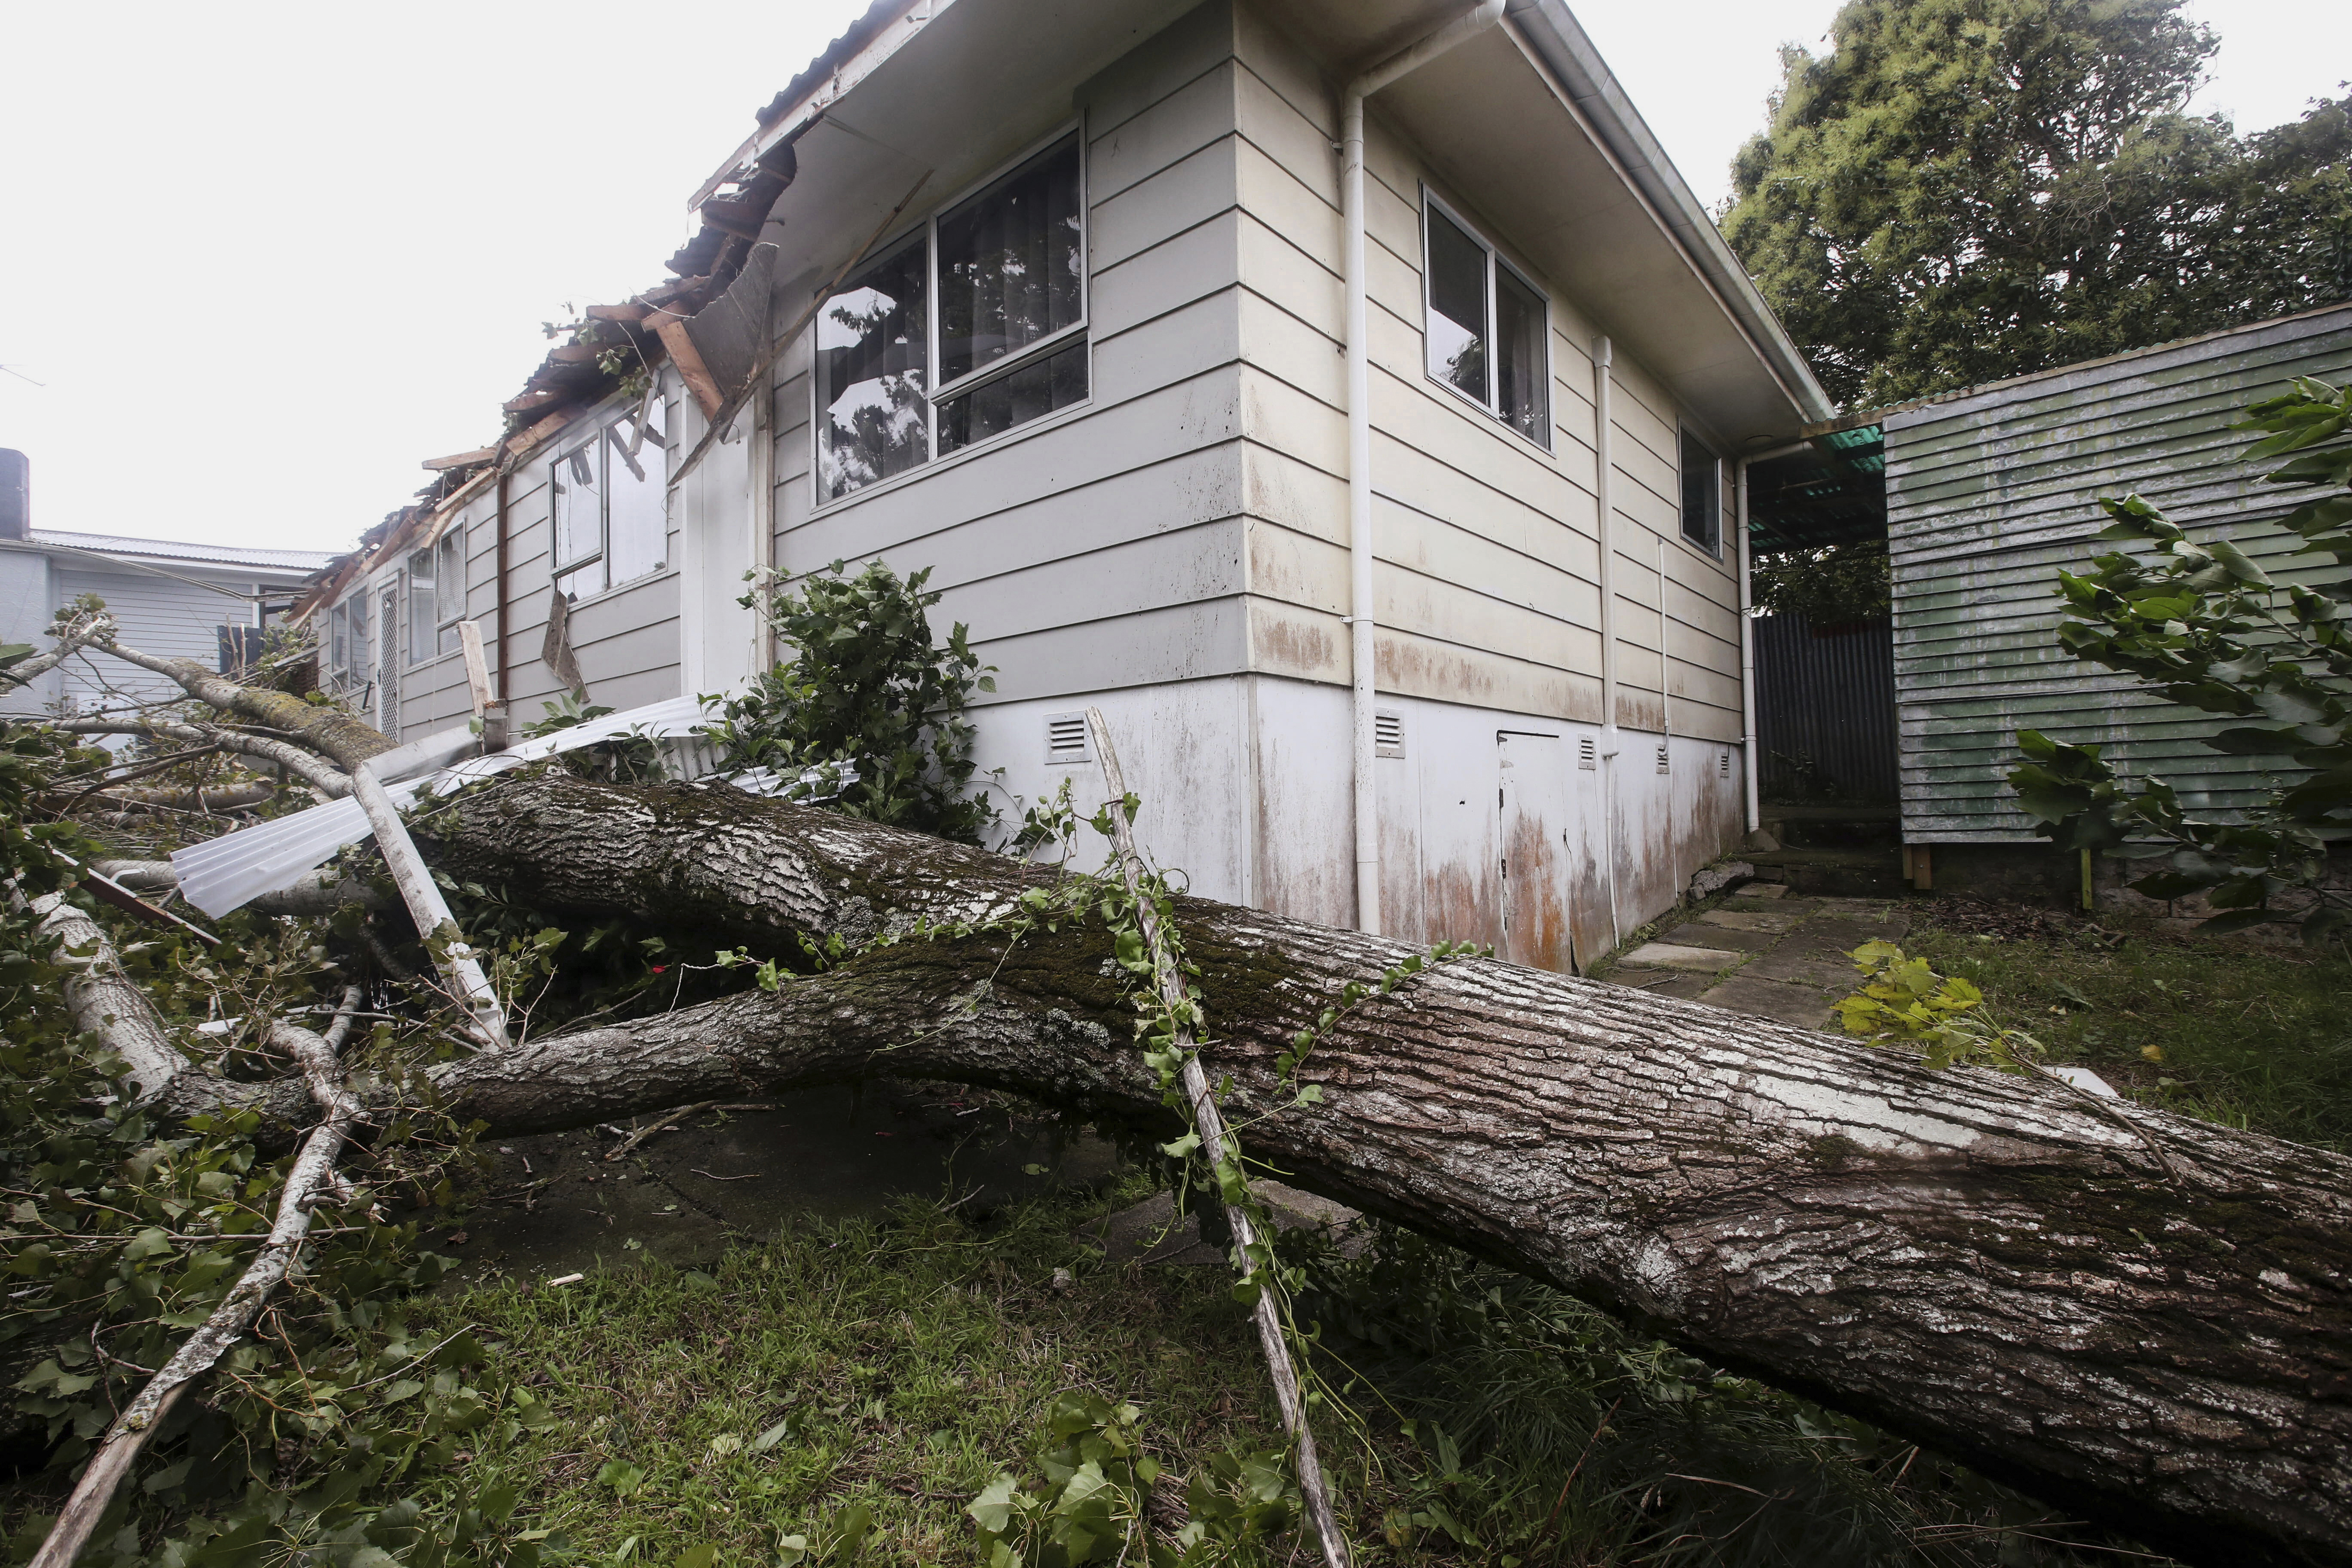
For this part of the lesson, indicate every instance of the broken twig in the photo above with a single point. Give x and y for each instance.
(1211, 1124)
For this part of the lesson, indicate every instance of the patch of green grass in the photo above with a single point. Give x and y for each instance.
(909, 1360)
(2252, 1037)
(896, 1366)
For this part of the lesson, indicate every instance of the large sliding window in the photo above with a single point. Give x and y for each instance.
(1487, 327)
(973, 327)
(611, 496)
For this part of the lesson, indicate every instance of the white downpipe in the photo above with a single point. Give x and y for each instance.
(1604, 498)
(1748, 752)
(1746, 654)
(1363, 676)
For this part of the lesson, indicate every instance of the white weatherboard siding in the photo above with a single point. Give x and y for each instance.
(1187, 526)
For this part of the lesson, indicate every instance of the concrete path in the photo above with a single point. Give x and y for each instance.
(1767, 951)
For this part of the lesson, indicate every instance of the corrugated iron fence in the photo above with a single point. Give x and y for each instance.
(1825, 711)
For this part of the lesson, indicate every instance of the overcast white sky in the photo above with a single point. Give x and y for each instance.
(265, 258)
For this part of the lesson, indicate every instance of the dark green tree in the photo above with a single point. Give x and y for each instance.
(1966, 190)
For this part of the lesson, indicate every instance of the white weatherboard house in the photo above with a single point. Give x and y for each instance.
(208, 603)
(1348, 399)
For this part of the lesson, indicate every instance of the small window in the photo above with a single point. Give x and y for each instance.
(339, 639)
(610, 499)
(420, 606)
(449, 587)
(1487, 328)
(1701, 495)
(998, 283)
(358, 606)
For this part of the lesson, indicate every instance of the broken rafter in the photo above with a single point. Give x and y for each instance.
(479, 456)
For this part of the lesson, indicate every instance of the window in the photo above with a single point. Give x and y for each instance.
(1487, 327)
(611, 499)
(421, 606)
(967, 330)
(1702, 494)
(339, 639)
(358, 606)
(436, 596)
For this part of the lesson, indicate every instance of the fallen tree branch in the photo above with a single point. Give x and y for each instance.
(319, 893)
(327, 728)
(311, 1178)
(311, 768)
(1971, 1259)
(229, 797)
(83, 629)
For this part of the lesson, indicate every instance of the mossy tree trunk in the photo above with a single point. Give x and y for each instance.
(1983, 1263)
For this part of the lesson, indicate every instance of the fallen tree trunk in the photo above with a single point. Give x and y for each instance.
(1978, 1261)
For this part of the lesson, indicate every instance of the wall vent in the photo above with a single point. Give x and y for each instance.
(1388, 732)
(1663, 758)
(1065, 739)
(1723, 764)
(1585, 752)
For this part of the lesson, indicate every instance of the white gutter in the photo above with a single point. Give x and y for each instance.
(1747, 741)
(1359, 438)
(1604, 498)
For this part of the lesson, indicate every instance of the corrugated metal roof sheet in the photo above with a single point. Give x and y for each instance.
(1987, 497)
(178, 550)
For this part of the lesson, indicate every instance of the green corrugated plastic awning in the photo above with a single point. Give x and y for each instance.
(1832, 493)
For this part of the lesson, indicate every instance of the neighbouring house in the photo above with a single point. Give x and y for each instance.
(1351, 401)
(1986, 493)
(209, 603)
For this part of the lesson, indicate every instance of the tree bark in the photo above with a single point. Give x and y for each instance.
(1978, 1261)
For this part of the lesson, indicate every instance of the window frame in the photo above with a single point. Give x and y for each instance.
(1685, 438)
(448, 551)
(598, 438)
(925, 233)
(1492, 406)
(420, 650)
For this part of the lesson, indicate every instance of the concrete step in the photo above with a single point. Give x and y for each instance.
(1875, 873)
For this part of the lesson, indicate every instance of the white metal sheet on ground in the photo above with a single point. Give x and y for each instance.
(228, 872)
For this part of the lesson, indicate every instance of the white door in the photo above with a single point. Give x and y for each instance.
(1532, 842)
(719, 530)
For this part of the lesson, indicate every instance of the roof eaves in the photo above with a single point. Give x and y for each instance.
(1556, 36)
(874, 38)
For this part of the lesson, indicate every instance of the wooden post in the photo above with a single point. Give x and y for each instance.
(1211, 1124)
(487, 712)
(459, 970)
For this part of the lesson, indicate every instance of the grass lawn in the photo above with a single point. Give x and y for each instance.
(899, 1366)
(2253, 1036)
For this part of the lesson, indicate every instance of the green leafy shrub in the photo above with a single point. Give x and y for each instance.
(867, 696)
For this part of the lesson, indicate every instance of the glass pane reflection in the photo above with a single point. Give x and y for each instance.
(872, 359)
(1037, 388)
(1457, 307)
(1522, 380)
(1008, 263)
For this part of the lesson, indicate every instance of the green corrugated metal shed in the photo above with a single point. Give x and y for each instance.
(1991, 490)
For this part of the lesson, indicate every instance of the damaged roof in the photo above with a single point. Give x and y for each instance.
(612, 345)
